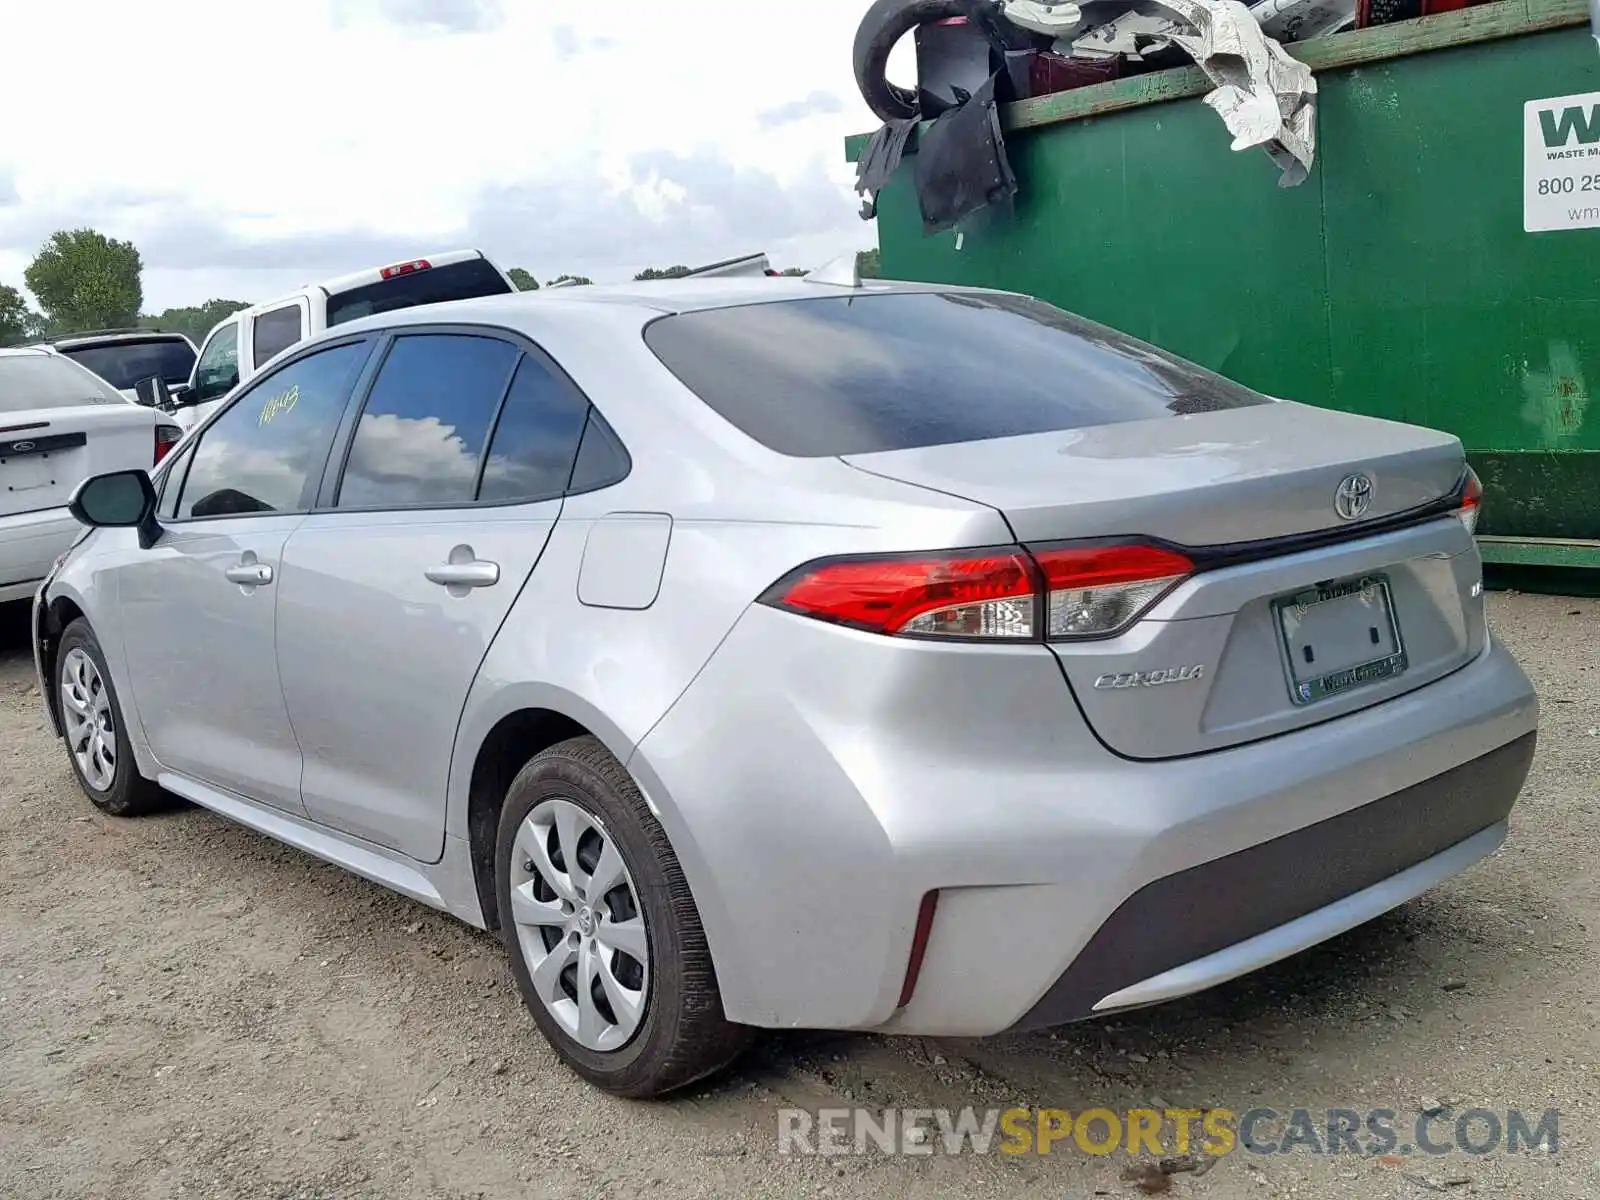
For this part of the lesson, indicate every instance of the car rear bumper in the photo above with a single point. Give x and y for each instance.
(29, 544)
(1220, 919)
(813, 818)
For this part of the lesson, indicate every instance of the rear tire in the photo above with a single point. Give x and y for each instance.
(590, 890)
(95, 730)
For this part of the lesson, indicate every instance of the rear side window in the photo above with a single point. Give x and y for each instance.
(275, 330)
(426, 421)
(458, 281)
(536, 438)
(858, 374)
(30, 381)
(123, 364)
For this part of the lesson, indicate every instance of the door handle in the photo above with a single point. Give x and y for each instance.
(254, 574)
(472, 574)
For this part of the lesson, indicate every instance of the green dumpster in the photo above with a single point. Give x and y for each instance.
(1399, 280)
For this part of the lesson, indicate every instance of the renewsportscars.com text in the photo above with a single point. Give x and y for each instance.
(1215, 1131)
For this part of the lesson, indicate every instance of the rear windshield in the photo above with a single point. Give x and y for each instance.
(124, 364)
(45, 381)
(458, 281)
(857, 374)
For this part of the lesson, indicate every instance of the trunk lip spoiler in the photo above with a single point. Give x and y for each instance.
(1232, 554)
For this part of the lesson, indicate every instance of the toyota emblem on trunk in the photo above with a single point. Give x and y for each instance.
(1353, 497)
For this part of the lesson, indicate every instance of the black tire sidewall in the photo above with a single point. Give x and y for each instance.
(556, 776)
(118, 798)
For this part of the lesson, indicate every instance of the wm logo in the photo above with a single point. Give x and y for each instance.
(1558, 127)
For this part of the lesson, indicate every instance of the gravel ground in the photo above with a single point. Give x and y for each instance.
(188, 1009)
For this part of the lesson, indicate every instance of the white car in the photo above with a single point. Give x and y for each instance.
(59, 424)
(241, 345)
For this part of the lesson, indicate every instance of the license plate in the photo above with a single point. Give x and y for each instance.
(23, 474)
(1339, 637)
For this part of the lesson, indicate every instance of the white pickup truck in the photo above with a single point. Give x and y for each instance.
(238, 347)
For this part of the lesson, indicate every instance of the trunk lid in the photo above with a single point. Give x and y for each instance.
(1206, 479)
(45, 453)
(1271, 640)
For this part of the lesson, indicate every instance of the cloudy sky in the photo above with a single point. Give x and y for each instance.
(251, 146)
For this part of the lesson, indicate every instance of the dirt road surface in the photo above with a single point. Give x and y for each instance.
(188, 1009)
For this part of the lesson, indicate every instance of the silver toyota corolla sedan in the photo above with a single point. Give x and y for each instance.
(776, 653)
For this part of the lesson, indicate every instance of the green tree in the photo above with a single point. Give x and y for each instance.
(85, 280)
(869, 264)
(18, 322)
(194, 320)
(565, 278)
(524, 280)
(668, 273)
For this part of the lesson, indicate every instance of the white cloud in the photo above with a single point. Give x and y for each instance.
(250, 146)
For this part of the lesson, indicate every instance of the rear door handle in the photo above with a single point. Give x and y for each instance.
(470, 574)
(254, 574)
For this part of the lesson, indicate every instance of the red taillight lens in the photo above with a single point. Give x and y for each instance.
(406, 268)
(999, 594)
(167, 436)
(1471, 502)
(975, 593)
(1097, 590)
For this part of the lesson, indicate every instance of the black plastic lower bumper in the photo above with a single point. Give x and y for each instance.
(1206, 908)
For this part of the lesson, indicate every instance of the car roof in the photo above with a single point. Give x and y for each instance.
(654, 296)
(106, 336)
(16, 351)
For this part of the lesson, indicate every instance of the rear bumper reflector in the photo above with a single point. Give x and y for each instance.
(919, 946)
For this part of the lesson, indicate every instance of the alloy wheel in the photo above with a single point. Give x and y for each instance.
(91, 724)
(580, 924)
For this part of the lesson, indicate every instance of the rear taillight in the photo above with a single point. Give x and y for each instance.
(1471, 501)
(975, 593)
(406, 268)
(1096, 590)
(1004, 593)
(167, 436)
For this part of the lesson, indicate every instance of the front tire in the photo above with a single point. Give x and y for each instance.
(604, 938)
(95, 731)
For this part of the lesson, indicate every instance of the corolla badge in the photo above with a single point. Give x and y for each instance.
(1353, 496)
(1130, 679)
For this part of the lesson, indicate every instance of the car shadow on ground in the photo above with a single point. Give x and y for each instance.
(14, 619)
(1203, 1050)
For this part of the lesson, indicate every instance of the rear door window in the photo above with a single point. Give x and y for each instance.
(536, 438)
(858, 374)
(457, 281)
(422, 433)
(275, 330)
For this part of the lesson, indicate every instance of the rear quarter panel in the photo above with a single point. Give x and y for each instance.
(741, 518)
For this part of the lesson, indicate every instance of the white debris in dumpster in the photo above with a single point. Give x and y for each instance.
(1263, 96)
(1132, 35)
(1297, 20)
(1053, 18)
